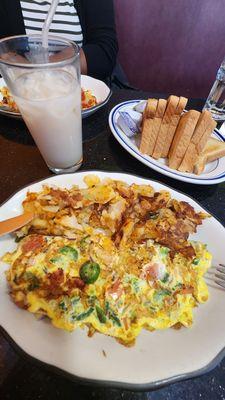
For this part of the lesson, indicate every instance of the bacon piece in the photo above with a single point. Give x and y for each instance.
(75, 283)
(57, 285)
(32, 243)
(56, 278)
(53, 287)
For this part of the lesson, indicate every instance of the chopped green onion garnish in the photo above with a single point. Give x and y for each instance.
(83, 315)
(165, 278)
(101, 315)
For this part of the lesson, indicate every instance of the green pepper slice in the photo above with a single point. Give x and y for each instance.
(69, 251)
(196, 261)
(101, 315)
(89, 272)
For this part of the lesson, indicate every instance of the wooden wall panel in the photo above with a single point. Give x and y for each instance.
(171, 46)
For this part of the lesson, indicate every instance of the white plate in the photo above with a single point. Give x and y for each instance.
(158, 357)
(98, 88)
(214, 172)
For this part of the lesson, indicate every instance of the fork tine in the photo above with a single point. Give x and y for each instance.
(220, 276)
(221, 270)
(220, 283)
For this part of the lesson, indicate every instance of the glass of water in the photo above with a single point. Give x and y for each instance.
(215, 102)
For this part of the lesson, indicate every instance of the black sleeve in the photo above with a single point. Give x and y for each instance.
(100, 45)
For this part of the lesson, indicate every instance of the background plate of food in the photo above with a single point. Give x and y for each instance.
(182, 145)
(97, 88)
(94, 95)
(138, 280)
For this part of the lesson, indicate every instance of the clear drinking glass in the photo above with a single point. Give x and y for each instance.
(46, 86)
(215, 102)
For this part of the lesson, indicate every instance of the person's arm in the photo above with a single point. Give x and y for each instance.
(83, 62)
(100, 47)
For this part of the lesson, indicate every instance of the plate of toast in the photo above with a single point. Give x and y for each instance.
(184, 145)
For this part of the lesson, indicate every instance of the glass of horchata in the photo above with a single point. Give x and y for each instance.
(45, 83)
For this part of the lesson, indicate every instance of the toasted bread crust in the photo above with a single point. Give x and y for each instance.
(173, 125)
(161, 138)
(200, 165)
(189, 160)
(182, 137)
(161, 107)
(201, 134)
(203, 130)
(149, 113)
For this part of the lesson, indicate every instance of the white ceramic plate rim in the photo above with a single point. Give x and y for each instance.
(67, 180)
(152, 163)
(103, 96)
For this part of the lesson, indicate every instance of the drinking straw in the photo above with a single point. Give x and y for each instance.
(47, 23)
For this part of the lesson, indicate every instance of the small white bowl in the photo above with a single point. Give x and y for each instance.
(98, 88)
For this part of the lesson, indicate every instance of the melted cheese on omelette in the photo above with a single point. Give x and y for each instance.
(134, 286)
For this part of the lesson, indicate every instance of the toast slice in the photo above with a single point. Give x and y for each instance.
(161, 107)
(173, 125)
(182, 137)
(205, 126)
(147, 111)
(189, 159)
(147, 123)
(172, 103)
(202, 132)
(213, 150)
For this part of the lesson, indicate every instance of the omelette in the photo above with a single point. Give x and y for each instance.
(126, 268)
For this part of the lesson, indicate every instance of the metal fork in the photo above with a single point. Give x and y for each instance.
(220, 275)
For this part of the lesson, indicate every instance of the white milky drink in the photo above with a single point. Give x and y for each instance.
(50, 104)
